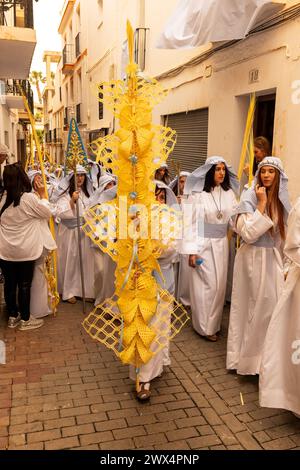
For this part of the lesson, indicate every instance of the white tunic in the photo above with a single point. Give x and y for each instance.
(39, 299)
(208, 281)
(155, 366)
(24, 231)
(69, 278)
(257, 282)
(279, 381)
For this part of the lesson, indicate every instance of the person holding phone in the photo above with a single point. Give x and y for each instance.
(259, 270)
(211, 190)
(22, 242)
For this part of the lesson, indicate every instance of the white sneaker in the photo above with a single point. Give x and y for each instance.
(31, 324)
(14, 321)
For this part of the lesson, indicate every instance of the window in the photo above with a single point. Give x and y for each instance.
(72, 90)
(60, 94)
(6, 138)
(79, 86)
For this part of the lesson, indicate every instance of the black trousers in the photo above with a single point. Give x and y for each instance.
(17, 277)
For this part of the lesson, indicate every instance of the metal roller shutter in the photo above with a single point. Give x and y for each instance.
(192, 132)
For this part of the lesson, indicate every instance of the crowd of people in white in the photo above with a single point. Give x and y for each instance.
(247, 251)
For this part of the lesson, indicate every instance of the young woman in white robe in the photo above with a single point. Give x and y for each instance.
(39, 297)
(69, 277)
(212, 190)
(259, 270)
(154, 368)
(279, 380)
(104, 281)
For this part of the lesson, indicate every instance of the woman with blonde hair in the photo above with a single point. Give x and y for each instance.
(258, 272)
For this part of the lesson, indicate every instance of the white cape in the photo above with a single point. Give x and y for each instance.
(279, 381)
(198, 22)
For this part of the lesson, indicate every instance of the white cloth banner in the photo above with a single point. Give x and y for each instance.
(198, 22)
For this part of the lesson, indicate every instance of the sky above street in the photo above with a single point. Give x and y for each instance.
(46, 21)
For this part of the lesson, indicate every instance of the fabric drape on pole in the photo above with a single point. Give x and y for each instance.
(198, 22)
(247, 153)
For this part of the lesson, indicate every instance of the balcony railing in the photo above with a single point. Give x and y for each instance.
(68, 55)
(15, 87)
(17, 13)
(77, 45)
(57, 136)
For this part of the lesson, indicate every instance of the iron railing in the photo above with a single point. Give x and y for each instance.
(17, 13)
(68, 54)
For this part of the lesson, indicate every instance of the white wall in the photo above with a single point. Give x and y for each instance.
(8, 123)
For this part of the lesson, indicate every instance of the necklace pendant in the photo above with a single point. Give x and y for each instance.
(220, 215)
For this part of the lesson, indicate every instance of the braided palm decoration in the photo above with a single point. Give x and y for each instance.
(136, 322)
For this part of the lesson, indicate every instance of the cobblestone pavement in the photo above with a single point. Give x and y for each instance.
(61, 390)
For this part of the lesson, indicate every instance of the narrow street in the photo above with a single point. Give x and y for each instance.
(61, 390)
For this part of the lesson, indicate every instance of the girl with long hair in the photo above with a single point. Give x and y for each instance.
(259, 271)
(211, 189)
(22, 241)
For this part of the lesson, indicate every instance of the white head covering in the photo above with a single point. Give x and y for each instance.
(32, 174)
(248, 203)
(196, 181)
(175, 180)
(97, 197)
(94, 171)
(65, 182)
(171, 199)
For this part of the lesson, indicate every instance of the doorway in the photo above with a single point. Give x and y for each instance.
(264, 117)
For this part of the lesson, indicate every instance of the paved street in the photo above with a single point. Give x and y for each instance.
(61, 390)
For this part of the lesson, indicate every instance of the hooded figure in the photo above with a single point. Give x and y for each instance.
(259, 271)
(212, 202)
(69, 278)
(181, 267)
(154, 368)
(104, 280)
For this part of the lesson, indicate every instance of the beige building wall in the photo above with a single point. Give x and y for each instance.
(221, 83)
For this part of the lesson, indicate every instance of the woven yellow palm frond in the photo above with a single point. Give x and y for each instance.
(105, 150)
(151, 90)
(100, 227)
(163, 144)
(113, 95)
(50, 275)
(141, 318)
(107, 325)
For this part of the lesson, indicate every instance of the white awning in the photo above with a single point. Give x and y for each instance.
(198, 22)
